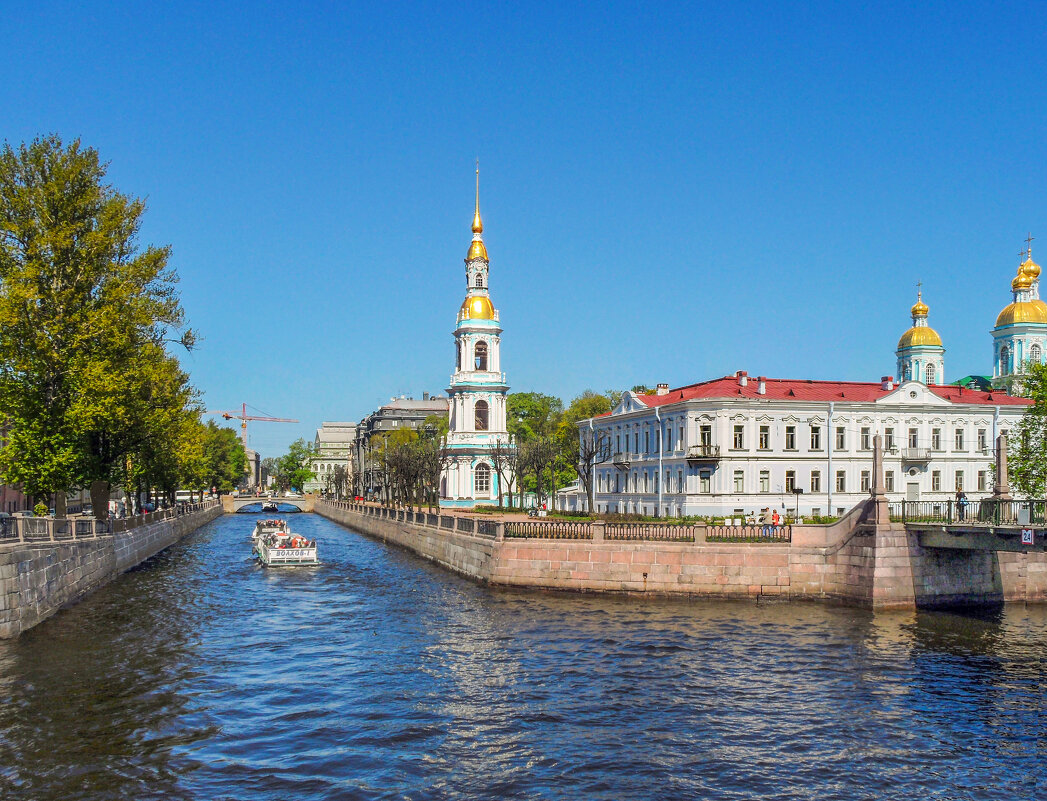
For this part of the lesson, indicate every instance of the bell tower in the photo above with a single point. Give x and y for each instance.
(478, 386)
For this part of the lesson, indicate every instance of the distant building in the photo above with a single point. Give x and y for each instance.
(253, 476)
(400, 412)
(333, 443)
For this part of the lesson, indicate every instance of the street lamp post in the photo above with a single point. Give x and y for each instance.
(797, 491)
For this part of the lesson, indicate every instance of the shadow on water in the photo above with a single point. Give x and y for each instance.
(378, 675)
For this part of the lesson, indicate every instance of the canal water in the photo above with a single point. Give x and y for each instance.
(378, 676)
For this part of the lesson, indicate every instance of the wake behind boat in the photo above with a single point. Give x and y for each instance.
(276, 545)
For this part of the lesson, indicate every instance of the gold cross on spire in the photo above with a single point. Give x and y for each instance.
(919, 290)
(1028, 244)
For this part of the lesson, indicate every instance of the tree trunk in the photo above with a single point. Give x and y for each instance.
(100, 499)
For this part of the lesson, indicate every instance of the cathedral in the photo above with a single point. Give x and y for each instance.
(477, 424)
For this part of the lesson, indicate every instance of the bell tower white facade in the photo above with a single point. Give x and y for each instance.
(478, 387)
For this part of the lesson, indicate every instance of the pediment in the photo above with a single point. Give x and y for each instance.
(912, 392)
(629, 403)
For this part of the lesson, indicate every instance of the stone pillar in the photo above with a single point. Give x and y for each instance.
(599, 528)
(1002, 490)
(880, 512)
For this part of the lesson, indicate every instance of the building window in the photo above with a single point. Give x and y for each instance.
(959, 481)
(646, 441)
(765, 438)
(482, 415)
(841, 481)
(936, 481)
(983, 441)
(1005, 361)
(888, 480)
(765, 481)
(790, 480)
(866, 478)
(480, 353)
(866, 439)
(479, 280)
(739, 481)
(679, 481)
(841, 438)
(636, 441)
(932, 374)
(739, 437)
(816, 438)
(790, 438)
(816, 481)
(982, 480)
(959, 439)
(680, 442)
(914, 438)
(936, 439)
(888, 439)
(645, 481)
(704, 482)
(705, 436)
(617, 482)
(482, 481)
(1035, 354)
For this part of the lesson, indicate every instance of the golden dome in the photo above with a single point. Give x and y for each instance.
(1030, 268)
(919, 309)
(1021, 280)
(478, 307)
(476, 250)
(919, 335)
(1030, 311)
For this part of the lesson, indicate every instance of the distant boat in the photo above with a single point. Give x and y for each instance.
(270, 506)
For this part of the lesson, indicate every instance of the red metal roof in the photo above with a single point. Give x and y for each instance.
(788, 389)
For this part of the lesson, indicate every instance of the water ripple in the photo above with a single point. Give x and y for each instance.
(377, 676)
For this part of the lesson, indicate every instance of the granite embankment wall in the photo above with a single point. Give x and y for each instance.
(852, 561)
(39, 578)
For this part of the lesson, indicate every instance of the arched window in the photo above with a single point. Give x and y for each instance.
(480, 352)
(482, 416)
(458, 354)
(482, 481)
(479, 280)
(1035, 355)
(1005, 360)
(932, 374)
(905, 372)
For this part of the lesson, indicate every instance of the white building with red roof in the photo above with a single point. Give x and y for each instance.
(738, 445)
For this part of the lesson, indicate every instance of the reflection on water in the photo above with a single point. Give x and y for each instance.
(201, 676)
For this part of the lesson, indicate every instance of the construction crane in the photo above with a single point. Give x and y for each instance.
(243, 417)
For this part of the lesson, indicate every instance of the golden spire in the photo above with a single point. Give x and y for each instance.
(478, 226)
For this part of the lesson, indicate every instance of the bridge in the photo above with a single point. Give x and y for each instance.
(991, 524)
(232, 504)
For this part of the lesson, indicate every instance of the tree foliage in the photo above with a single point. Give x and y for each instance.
(87, 389)
(295, 467)
(1027, 457)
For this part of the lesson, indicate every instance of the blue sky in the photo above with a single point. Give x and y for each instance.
(670, 193)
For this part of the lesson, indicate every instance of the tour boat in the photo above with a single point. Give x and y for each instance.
(270, 506)
(279, 546)
(268, 527)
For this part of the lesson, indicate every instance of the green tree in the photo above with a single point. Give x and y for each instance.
(1027, 457)
(225, 461)
(85, 314)
(583, 449)
(531, 415)
(296, 464)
